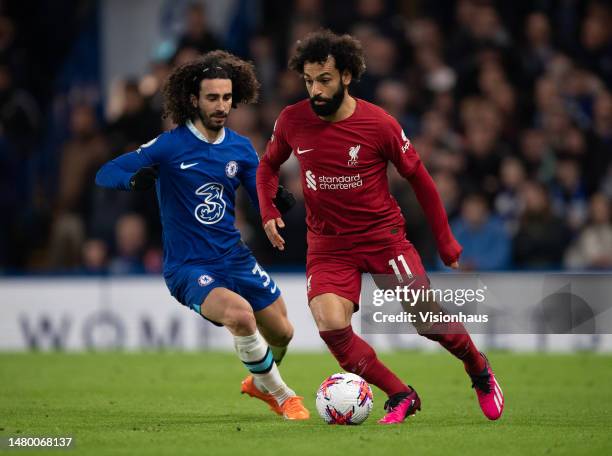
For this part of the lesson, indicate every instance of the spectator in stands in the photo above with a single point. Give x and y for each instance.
(596, 40)
(484, 153)
(439, 146)
(542, 236)
(137, 124)
(80, 156)
(197, 34)
(448, 188)
(598, 157)
(19, 113)
(593, 247)
(539, 47)
(538, 156)
(261, 49)
(95, 257)
(150, 85)
(130, 239)
(567, 194)
(490, 95)
(508, 202)
(381, 55)
(393, 96)
(486, 244)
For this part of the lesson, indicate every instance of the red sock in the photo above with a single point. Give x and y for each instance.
(356, 356)
(455, 338)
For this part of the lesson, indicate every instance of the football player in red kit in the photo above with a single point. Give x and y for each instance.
(343, 145)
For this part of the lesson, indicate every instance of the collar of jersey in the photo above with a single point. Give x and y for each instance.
(201, 137)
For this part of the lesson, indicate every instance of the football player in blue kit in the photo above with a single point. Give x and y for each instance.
(196, 169)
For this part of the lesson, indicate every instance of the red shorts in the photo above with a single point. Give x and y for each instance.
(335, 264)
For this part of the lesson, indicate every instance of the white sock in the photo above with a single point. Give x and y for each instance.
(257, 357)
(260, 386)
(278, 353)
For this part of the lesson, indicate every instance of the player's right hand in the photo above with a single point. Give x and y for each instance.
(144, 178)
(272, 232)
(284, 199)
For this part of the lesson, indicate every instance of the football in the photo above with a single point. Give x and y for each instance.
(344, 399)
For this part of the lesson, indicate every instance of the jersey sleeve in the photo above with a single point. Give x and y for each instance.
(118, 172)
(399, 150)
(248, 175)
(278, 151)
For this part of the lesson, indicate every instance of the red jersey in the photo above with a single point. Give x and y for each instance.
(343, 169)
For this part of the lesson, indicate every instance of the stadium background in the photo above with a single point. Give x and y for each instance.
(508, 103)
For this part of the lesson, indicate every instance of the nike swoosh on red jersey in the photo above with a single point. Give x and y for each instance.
(303, 151)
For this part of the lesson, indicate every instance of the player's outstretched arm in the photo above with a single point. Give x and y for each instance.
(396, 147)
(135, 170)
(429, 199)
(128, 172)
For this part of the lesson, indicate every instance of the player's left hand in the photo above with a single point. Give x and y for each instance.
(454, 265)
(144, 178)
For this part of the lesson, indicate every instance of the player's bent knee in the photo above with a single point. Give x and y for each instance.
(327, 322)
(289, 333)
(240, 321)
(331, 311)
(280, 335)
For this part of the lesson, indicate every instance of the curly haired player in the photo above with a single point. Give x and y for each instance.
(196, 169)
(343, 145)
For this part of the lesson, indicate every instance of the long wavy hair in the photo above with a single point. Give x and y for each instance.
(185, 81)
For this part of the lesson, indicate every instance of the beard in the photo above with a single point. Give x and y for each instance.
(330, 105)
(210, 122)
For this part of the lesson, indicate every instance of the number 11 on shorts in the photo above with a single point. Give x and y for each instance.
(396, 270)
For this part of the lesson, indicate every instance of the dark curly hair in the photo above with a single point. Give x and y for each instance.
(185, 81)
(318, 46)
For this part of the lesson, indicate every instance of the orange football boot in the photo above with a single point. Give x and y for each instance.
(248, 387)
(293, 409)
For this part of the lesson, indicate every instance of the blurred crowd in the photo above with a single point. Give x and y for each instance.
(509, 105)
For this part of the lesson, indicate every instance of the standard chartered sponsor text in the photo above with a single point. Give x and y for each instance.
(340, 182)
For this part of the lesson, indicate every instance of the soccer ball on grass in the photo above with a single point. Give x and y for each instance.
(344, 399)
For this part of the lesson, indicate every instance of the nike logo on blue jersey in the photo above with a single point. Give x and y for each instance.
(184, 166)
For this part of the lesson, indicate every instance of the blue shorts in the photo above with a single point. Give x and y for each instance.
(238, 271)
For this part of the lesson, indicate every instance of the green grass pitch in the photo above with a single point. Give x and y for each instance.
(176, 403)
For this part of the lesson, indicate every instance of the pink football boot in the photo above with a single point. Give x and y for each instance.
(400, 406)
(490, 395)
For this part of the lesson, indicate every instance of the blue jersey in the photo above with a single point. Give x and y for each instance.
(196, 190)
